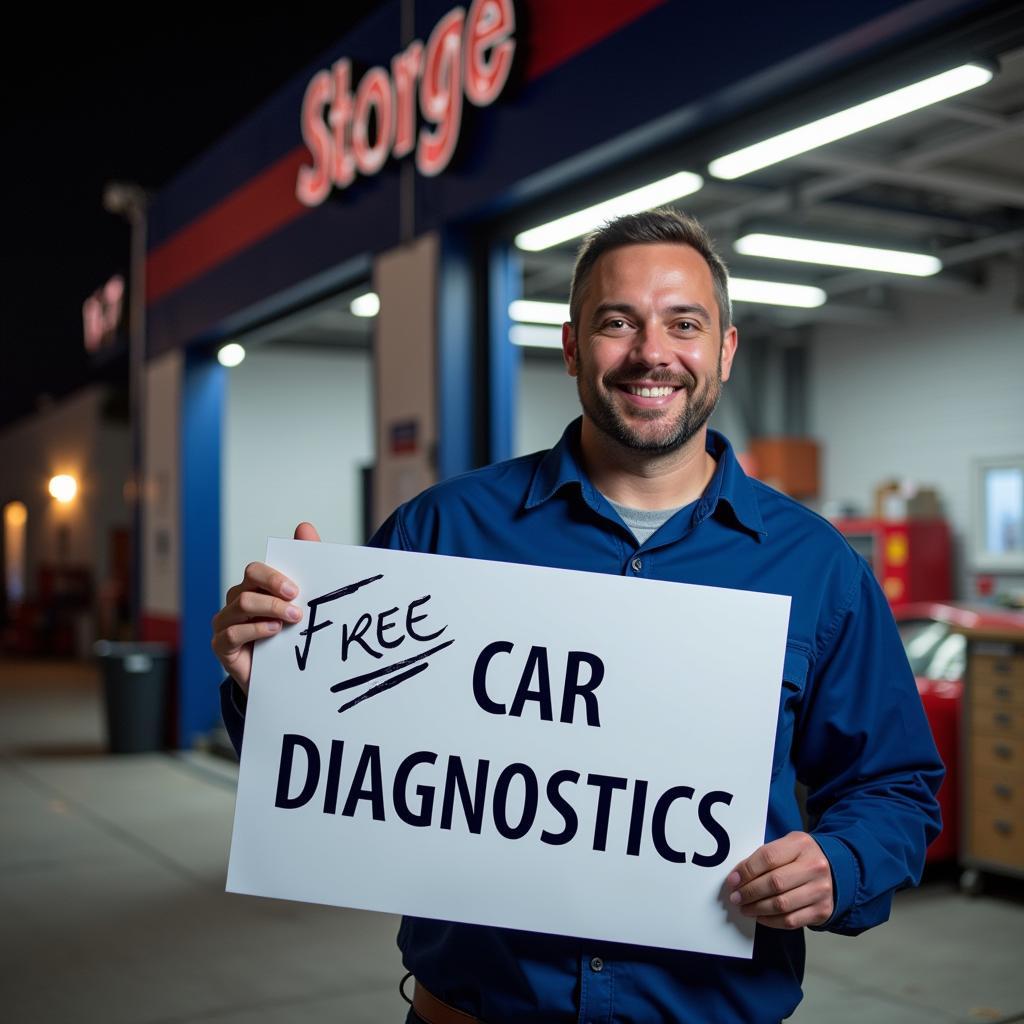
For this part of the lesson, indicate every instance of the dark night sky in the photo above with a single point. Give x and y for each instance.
(88, 104)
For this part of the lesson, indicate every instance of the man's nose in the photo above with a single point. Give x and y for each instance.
(651, 346)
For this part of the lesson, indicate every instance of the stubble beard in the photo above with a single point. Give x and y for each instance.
(600, 409)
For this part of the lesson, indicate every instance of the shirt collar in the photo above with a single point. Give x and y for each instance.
(729, 486)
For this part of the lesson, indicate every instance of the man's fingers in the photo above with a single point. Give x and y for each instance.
(774, 883)
(767, 858)
(251, 604)
(259, 576)
(306, 531)
(815, 892)
(227, 642)
(784, 884)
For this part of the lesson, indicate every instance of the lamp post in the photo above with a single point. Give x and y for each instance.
(130, 201)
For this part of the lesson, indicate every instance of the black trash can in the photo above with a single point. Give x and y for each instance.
(135, 687)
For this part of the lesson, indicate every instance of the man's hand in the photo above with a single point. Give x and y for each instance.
(255, 609)
(784, 884)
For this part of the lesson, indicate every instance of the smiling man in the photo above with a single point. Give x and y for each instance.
(639, 486)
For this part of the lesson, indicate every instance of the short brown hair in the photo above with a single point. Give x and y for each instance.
(650, 227)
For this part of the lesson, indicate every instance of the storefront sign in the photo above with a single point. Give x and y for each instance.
(565, 752)
(467, 54)
(101, 314)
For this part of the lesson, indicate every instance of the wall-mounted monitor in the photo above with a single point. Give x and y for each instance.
(997, 527)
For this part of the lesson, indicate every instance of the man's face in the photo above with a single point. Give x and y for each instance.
(648, 354)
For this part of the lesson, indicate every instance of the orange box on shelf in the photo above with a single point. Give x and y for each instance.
(788, 463)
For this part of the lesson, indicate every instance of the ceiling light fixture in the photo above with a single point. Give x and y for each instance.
(367, 304)
(838, 254)
(741, 289)
(230, 355)
(683, 183)
(531, 311)
(535, 336)
(776, 293)
(848, 122)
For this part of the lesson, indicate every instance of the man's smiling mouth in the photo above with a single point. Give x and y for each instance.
(643, 391)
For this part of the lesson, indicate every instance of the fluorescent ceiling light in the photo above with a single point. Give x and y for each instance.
(741, 289)
(838, 254)
(776, 293)
(231, 354)
(529, 311)
(847, 122)
(535, 336)
(367, 304)
(684, 183)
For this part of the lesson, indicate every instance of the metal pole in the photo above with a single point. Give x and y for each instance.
(129, 201)
(137, 385)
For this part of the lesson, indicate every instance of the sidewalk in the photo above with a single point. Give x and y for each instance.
(112, 903)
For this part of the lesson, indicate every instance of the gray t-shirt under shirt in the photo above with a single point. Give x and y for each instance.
(643, 522)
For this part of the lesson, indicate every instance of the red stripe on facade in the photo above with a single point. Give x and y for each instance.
(557, 32)
(259, 208)
(159, 628)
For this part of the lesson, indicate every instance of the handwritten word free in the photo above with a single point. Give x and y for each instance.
(374, 634)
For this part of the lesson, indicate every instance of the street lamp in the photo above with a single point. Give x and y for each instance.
(130, 201)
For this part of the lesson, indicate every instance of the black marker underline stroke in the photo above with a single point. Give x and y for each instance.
(346, 684)
(386, 685)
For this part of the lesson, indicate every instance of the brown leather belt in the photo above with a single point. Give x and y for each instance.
(432, 1010)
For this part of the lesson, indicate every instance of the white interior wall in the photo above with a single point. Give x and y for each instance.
(298, 428)
(545, 402)
(921, 399)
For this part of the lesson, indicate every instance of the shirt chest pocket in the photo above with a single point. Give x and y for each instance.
(794, 679)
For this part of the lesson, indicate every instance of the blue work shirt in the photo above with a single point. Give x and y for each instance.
(851, 728)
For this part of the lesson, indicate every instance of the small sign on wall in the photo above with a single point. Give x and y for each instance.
(501, 744)
(404, 436)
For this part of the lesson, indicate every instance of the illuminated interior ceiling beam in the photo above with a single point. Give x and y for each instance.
(858, 315)
(898, 218)
(1001, 192)
(968, 113)
(962, 142)
(956, 255)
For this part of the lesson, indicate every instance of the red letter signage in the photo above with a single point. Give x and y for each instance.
(467, 54)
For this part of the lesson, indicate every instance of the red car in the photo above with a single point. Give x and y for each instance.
(938, 656)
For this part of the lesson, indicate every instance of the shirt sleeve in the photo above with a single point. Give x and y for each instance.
(232, 710)
(866, 754)
(233, 702)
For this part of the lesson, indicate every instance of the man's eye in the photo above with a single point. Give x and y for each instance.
(616, 323)
(686, 325)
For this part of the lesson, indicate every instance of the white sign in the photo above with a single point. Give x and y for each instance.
(563, 752)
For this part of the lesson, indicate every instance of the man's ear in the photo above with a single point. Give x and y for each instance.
(569, 349)
(730, 340)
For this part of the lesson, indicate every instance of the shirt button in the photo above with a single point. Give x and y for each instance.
(597, 964)
(637, 564)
